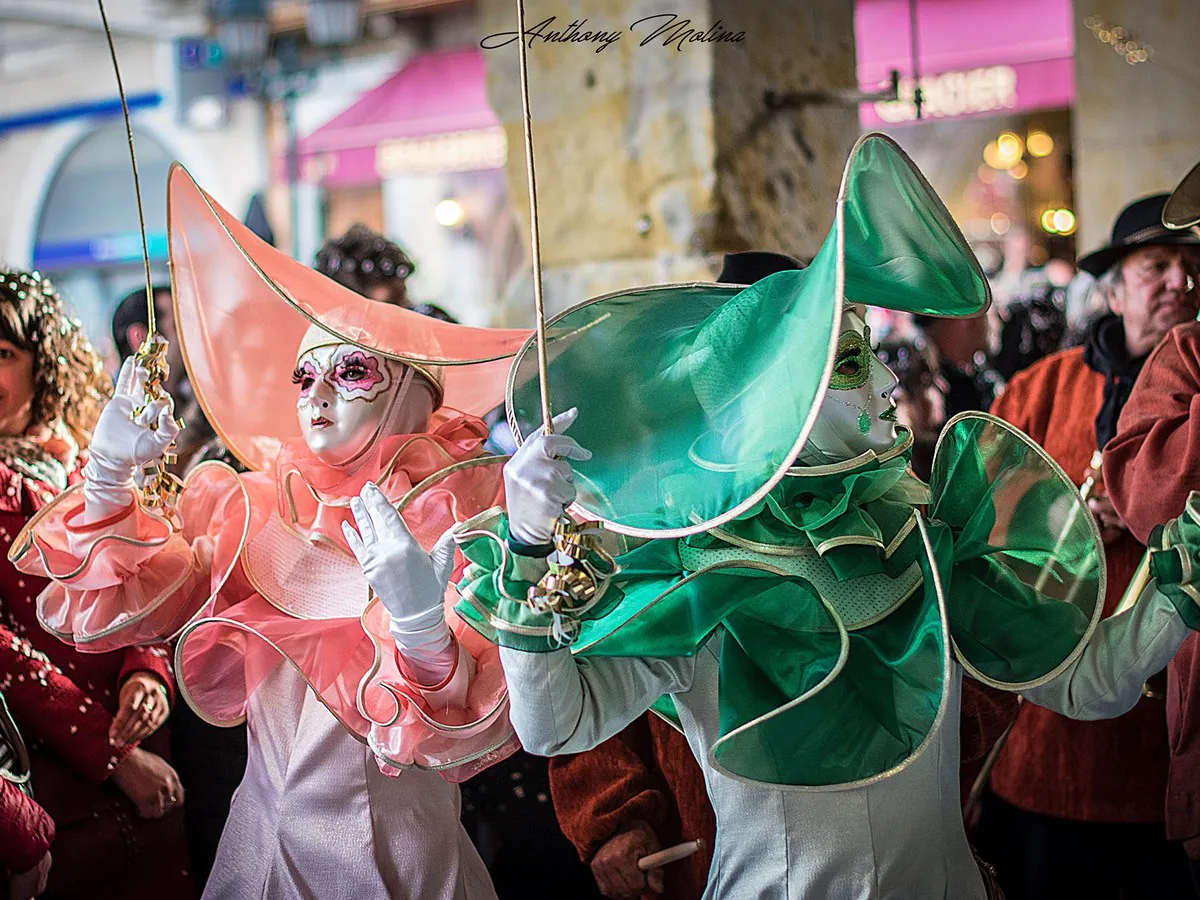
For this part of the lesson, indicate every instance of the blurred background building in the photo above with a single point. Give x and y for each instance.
(1037, 121)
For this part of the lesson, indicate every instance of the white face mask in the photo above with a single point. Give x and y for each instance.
(858, 413)
(347, 395)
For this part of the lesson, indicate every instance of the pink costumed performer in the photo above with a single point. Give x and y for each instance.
(303, 601)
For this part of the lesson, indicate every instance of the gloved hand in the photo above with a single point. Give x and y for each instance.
(538, 482)
(121, 444)
(409, 582)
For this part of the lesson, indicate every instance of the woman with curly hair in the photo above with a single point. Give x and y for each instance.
(115, 803)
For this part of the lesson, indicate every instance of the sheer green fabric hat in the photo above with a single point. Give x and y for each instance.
(696, 398)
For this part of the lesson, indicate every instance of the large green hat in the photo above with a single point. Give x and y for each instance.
(1182, 209)
(696, 398)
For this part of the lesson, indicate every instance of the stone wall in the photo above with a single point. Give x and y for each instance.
(1135, 128)
(650, 162)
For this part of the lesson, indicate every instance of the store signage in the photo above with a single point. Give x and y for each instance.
(984, 90)
(462, 151)
(997, 90)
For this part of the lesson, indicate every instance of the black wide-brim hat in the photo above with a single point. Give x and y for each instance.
(1140, 224)
(750, 266)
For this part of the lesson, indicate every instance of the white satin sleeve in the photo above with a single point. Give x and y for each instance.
(1106, 680)
(562, 704)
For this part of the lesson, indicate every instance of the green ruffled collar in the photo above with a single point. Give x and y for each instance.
(859, 514)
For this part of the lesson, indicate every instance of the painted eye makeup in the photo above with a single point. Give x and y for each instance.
(357, 372)
(305, 376)
(852, 364)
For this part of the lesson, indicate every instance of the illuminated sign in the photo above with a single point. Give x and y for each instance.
(462, 151)
(989, 89)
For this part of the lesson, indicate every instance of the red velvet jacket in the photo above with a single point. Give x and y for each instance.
(99, 675)
(26, 831)
(1150, 467)
(45, 705)
(1106, 771)
(645, 772)
(65, 717)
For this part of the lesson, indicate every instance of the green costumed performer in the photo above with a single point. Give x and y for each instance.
(761, 565)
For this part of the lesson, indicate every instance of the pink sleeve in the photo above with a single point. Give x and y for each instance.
(131, 579)
(458, 726)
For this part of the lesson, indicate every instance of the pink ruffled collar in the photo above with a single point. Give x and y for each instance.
(314, 496)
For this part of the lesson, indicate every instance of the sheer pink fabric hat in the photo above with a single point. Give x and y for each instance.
(243, 308)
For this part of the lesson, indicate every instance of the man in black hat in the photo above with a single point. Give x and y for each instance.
(1077, 808)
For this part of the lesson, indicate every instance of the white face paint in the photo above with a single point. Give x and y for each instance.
(346, 395)
(858, 413)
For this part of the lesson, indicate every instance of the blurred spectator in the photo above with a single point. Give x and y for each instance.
(638, 792)
(919, 401)
(957, 350)
(367, 263)
(1009, 280)
(103, 789)
(1034, 322)
(1077, 808)
(131, 326)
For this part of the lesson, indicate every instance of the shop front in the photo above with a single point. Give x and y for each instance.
(420, 158)
(997, 83)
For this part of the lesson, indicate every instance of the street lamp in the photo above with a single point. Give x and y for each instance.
(333, 23)
(242, 29)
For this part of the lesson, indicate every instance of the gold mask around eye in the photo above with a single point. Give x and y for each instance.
(852, 364)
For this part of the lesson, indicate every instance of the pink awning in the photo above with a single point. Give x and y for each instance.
(983, 45)
(437, 94)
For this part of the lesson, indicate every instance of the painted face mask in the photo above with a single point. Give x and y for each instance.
(346, 397)
(858, 413)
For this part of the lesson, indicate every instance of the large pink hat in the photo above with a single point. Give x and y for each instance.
(242, 309)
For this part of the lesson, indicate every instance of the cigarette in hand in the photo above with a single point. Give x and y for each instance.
(670, 855)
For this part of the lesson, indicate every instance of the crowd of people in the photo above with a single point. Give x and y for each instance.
(881, 661)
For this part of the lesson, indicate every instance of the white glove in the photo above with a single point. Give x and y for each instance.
(538, 482)
(121, 444)
(409, 582)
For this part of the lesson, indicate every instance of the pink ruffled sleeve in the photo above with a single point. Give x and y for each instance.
(131, 579)
(458, 726)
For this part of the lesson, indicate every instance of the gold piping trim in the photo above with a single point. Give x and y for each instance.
(934, 729)
(1101, 560)
(766, 487)
(904, 440)
(765, 549)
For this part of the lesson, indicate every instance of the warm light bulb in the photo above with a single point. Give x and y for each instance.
(1019, 170)
(1010, 149)
(449, 213)
(1047, 221)
(991, 156)
(1064, 221)
(1000, 223)
(1040, 144)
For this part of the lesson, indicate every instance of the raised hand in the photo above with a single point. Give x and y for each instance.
(123, 442)
(409, 582)
(539, 483)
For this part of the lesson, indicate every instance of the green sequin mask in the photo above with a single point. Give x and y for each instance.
(852, 365)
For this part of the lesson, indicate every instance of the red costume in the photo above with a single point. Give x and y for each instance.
(646, 772)
(1150, 467)
(1113, 770)
(64, 702)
